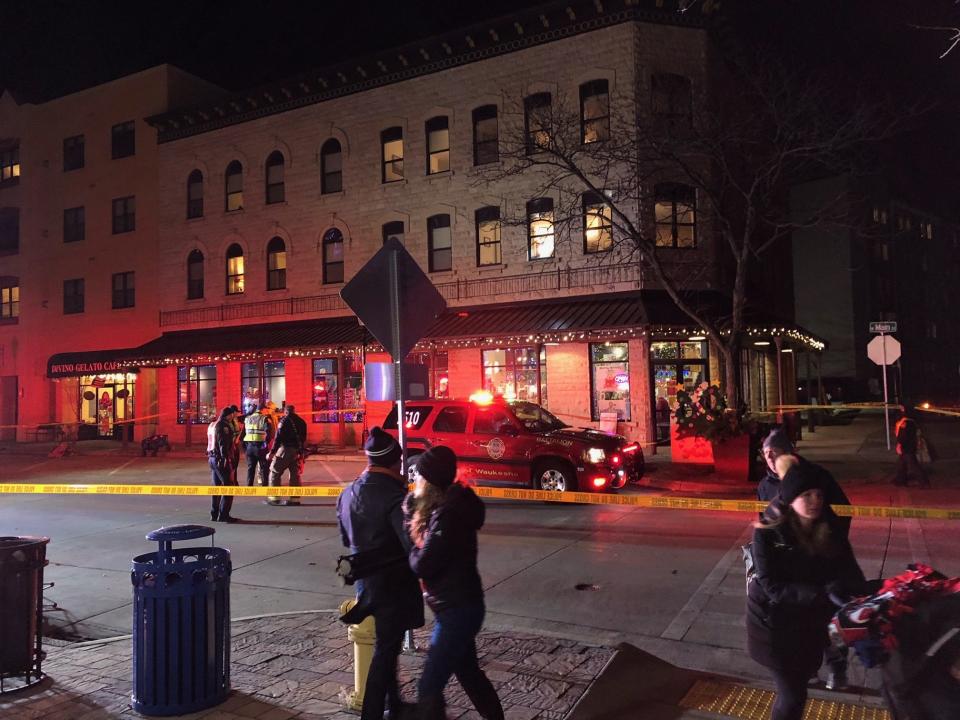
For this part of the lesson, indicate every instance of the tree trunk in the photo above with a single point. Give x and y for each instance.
(731, 368)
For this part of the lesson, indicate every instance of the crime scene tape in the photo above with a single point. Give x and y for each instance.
(656, 502)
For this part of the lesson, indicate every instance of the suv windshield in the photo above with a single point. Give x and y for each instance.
(535, 418)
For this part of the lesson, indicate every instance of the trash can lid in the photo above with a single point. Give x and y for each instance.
(174, 533)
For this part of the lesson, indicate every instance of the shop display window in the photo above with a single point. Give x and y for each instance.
(610, 380)
(335, 392)
(106, 402)
(515, 373)
(438, 373)
(197, 394)
(261, 382)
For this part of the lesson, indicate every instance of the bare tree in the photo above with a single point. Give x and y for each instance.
(680, 182)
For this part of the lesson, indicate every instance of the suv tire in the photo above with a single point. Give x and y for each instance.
(555, 476)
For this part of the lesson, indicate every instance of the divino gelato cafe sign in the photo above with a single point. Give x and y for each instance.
(56, 368)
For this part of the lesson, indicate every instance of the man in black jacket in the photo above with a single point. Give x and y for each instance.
(285, 453)
(371, 524)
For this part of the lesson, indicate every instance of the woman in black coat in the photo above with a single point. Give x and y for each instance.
(801, 557)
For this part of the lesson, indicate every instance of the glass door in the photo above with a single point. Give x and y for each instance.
(665, 398)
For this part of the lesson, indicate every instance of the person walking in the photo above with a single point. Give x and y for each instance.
(908, 466)
(802, 558)
(370, 515)
(444, 517)
(285, 455)
(220, 458)
(257, 439)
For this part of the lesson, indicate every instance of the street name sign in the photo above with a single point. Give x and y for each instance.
(885, 326)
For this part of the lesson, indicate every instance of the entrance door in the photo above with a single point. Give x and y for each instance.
(668, 378)
(106, 410)
(8, 407)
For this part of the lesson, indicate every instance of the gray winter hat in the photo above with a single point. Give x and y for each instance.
(779, 441)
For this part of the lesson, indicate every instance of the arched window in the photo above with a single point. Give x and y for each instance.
(332, 257)
(438, 145)
(195, 194)
(234, 270)
(276, 264)
(440, 241)
(393, 229)
(275, 193)
(234, 186)
(331, 167)
(594, 111)
(195, 275)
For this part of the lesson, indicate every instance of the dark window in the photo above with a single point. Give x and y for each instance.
(74, 224)
(488, 236)
(9, 299)
(331, 167)
(451, 419)
(123, 140)
(195, 275)
(9, 230)
(485, 135)
(234, 270)
(276, 264)
(234, 186)
(594, 111)
(332, 257)
(597, 224)
(124, 215)
(672, 98)
(392, 141)
(438, 145)
(124, 290)
(73, 153)
(492, 421)
(440, 241)
(540, 230)
(195, 194)
(73, 296)
(197, 394)
(537, 122)
(393, 229)
(10, 165)
(675, 209)
(275, 184)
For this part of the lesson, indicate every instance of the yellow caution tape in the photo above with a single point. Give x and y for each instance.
(661, 502)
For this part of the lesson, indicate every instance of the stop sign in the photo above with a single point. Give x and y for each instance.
(884, 350)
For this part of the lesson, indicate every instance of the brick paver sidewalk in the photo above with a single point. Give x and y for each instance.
(297, 666)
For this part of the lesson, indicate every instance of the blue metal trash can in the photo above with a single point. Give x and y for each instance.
(181, 624)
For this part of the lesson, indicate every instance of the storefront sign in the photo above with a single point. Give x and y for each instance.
(69, 369)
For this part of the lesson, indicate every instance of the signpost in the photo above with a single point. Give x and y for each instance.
(884, 350)
(397, 303)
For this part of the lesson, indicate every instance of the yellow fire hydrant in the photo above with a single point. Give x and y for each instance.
(362, 636)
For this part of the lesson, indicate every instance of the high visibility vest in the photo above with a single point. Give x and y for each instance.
(256, 428)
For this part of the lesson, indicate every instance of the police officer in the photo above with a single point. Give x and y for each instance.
(257, 438)
(220, 454)
(285, 455)
(371, 524)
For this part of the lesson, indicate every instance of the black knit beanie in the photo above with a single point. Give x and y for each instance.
(381, 448)
(438, 466)
(796, 482)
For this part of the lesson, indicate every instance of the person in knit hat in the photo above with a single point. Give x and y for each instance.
(802, 557)
(443, 519)
(370, 515)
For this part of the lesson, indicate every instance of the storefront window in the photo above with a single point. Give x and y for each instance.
(515, 373)
(106, 401)
(610, 379)
(663, 350)
(333, 393)
(676, 365)
(197, 394)
(261, 382)
(436, 363)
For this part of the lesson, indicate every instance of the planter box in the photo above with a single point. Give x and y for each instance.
(693, 450)
(731, 460)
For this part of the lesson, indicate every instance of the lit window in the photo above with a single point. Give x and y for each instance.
(261, 382)
(73, 296)
(393, 229)
(331, 167)
(9, 299)
(610, 380)
(331, 398)
(488, 236)
(676, 215)
(195, 194)
(332, 257)
(537, 121)
(195, 275)
(438, 145)
(197, 394)
(124, 215)
(123, 139)
(10, 165)
(594, 111)
(440, 241)
(540, 233)
(234, 270)
(73, 153)
(518, 373)
(124, 290)
(276, 264)
(597, 224)
(391, 140)
(485, 135)
(275, 185)
(234, 186)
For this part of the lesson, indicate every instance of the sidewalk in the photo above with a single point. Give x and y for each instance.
(298, 665)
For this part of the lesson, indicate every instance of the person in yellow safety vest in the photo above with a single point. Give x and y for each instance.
(257, 438)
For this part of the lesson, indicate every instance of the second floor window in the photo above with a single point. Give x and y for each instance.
(485, 135)
(488, 236)
(332, 257)
(276, 264)
(9, 230)
(331, 167)
(675, 209)
(594, 112)
(10, 164)
(391, 140)
(438, 145)
(9, 298)
(195, 194)
(393, 229)
(540, 231)
(537, 121)
(124, 215)
(235, 270)
(440, 241)
(124, 290)
(73, 153)
(195, 275)
(74, 224)
(234, 186)
(73, 296)
(275, 185)
(123, 140)
(597, 224)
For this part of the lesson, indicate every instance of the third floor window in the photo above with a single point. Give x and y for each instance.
(594, 112)
(73, 293)
(124, 290)
(9, 230)
(331, 167)
(391, 140)
(537, 121)
(195, 194)
(73, 148)
(234, 187)
(123, 140)
(275, 183)
(74, 224)
(438, 145)
(10, 164)
(485, 135)
(124, 215)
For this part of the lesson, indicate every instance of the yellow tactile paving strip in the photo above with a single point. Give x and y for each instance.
(746, 703)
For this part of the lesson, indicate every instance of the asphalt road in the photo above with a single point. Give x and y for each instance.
(669, 581)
